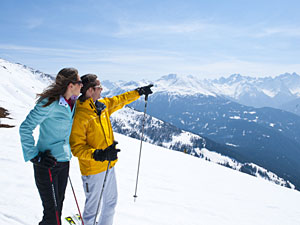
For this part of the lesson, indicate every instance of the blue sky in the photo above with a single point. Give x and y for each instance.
(133, 40)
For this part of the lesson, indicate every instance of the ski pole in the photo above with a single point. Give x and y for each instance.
(54, 197)
(76, 200)
(138, 170)
(99, 203)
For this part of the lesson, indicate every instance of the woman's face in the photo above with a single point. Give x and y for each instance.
(77, 86)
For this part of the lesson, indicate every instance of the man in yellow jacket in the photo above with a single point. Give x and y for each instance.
(92, 141)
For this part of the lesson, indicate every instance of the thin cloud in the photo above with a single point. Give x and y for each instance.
(202, 29)
(279, 31)
(129, 28)
(144, 63)
(88, 28)
(31, 49)
(34, 23)
(117, 56)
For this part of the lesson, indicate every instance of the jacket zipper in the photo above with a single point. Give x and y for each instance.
(103, 129)
(93, 105)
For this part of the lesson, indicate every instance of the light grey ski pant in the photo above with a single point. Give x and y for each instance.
(92, 186)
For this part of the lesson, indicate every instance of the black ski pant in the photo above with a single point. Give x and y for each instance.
(60, 175)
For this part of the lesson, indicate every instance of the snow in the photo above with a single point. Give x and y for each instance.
(269, 93)
(237, 86)
(252, 112)
(235, 117)
(230, 144)
(182, 85)
(13, 87)
(174, 188)
(218, 158)
(184, 137)
(295, 91)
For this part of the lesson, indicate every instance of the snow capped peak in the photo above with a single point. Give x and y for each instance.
(258, 92)
(172, 84)
(235, 78)
(232, 79)
(288, 76)
(246, 90)
(184, 85)
(169, 77)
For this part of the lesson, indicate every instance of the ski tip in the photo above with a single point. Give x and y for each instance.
(70, 220)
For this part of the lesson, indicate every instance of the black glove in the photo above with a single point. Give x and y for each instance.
(110, 153)
(99, 155)
(146, 90)
(44, 159)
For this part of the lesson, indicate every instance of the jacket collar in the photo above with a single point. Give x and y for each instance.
(62, 101)
(91, 106)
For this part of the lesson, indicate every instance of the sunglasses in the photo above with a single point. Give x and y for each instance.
(77, 82)
(98, 86)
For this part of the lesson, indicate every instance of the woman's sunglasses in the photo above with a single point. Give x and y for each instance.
(77, 82)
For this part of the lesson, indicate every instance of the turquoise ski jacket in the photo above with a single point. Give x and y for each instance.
(55, 123)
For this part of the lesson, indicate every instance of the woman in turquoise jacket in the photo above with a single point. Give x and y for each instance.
(50, 157)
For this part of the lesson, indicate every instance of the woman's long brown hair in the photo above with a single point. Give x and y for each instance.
(59, 87)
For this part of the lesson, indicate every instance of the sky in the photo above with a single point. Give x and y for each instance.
(136, 39)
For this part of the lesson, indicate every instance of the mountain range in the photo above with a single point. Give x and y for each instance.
(281, 92)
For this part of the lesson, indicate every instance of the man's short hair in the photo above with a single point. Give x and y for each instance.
(88, 80)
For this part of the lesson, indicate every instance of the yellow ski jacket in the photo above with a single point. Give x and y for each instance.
(92, 130)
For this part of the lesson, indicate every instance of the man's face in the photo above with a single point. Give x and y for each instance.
(97, 91)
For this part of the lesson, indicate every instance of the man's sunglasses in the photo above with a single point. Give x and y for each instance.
(98, 86)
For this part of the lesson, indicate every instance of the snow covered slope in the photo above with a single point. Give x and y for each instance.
(19, 86)
(174, 189)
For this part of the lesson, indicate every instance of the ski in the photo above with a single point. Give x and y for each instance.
(70, 220)
(78, 218)
(74, 220)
